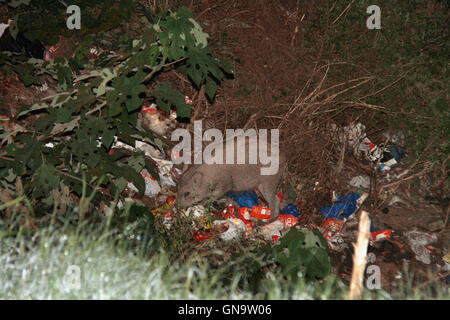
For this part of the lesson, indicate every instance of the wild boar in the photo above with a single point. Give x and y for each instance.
(202, 182)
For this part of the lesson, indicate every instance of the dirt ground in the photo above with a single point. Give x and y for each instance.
(277, 82)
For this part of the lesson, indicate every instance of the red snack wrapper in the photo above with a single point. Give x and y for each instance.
(333, 224)
(230, 212)
(200, 235)
(288, 220)
(261, 213)
(243, 214)
(231, 209)
(383, 234)
(150, 108)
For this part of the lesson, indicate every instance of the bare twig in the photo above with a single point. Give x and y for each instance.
(342, 13)
(425, 170)
(206, 10)
(389, 85)
(253, 118)
(63, 3)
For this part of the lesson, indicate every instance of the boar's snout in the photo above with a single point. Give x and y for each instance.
(189, 189)
(186, 198)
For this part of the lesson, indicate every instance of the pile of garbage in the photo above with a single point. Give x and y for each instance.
(383, 158)
(243, 220)
(245, 216)
(343, 209)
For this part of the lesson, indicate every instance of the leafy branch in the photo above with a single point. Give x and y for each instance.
(70, 142)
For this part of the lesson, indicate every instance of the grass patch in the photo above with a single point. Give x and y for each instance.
(122, 265)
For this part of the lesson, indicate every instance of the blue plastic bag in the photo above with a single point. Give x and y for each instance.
(343, 208)
(250, 198)
(291, 209)
(244, 199)
(397, 153)
(391, 157)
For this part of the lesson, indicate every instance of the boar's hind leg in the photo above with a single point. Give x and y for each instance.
(268, 191)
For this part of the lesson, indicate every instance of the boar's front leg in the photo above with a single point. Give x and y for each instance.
(268, 191)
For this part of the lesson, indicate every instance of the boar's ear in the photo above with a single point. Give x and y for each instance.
(197, 179)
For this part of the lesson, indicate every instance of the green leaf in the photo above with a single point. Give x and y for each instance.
(30, 154)
(152, 169)
(34, 107)
(302, 250)
(127, 92)
(63, 115)
(317, 263)
(16, 3)
(168, 97)
(120, 185)
(226, 66)
(46, 178)
(108, 137)
(11, 176)
(114, 103)
(195, 75)
(137, 162)
(107, 76)
(200, 36)
(134, 177)
(210, 88)
(138, 210)
(64, 74)
(26, 74)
